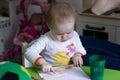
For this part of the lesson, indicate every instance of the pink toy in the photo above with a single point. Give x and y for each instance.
(33, 25)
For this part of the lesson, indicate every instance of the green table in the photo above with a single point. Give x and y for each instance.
(109, 74)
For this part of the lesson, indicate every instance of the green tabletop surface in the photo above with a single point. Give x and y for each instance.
(109, 74)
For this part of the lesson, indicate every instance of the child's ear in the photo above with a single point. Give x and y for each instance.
(48, 25)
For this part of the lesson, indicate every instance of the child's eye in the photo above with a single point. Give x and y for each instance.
(59, 34)
(63, 33)
(69, 33)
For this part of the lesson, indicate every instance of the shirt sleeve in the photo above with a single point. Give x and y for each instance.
(34, 49)
(79, 47)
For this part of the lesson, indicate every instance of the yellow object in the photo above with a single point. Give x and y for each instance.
(62, 58)
(25, 70)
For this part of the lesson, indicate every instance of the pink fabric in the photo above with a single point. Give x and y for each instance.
(12, 52)
(27, 29)
(31, 32)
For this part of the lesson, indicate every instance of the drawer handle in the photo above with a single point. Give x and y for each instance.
(95, 28)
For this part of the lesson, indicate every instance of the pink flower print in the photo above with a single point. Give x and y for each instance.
(71, 47)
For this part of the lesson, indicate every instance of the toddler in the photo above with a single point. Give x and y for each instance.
(61, 44)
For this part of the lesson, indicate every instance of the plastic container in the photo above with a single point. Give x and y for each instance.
(97, 64)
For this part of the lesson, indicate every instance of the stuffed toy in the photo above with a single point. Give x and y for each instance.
(36, 25)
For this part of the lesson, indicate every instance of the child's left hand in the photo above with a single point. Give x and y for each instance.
(77, 60)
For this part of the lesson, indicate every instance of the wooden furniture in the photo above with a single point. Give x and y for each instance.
(107, 23)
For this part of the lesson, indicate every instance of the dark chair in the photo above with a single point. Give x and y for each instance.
(95, 46)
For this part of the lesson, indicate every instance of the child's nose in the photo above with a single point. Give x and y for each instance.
(64, 37)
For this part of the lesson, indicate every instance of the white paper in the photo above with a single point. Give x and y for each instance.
(73, 73)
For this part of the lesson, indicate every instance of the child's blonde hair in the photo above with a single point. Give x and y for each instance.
(59, 12)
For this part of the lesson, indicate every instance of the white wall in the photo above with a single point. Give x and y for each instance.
(79, 3)
(88, 3)
(9, 33)
(76, 3)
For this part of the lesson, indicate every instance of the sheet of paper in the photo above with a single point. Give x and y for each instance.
(73, 73)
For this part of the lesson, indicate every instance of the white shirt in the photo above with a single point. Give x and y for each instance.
(53, 51)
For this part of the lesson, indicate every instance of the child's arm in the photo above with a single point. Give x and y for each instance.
(33, 52)
(46, 67)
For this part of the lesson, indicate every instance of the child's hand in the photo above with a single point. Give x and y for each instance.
(77, 60)
(46, 67)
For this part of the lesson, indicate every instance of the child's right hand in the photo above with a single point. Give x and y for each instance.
(46, 67)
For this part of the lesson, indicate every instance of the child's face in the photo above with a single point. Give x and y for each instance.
(64, 31)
